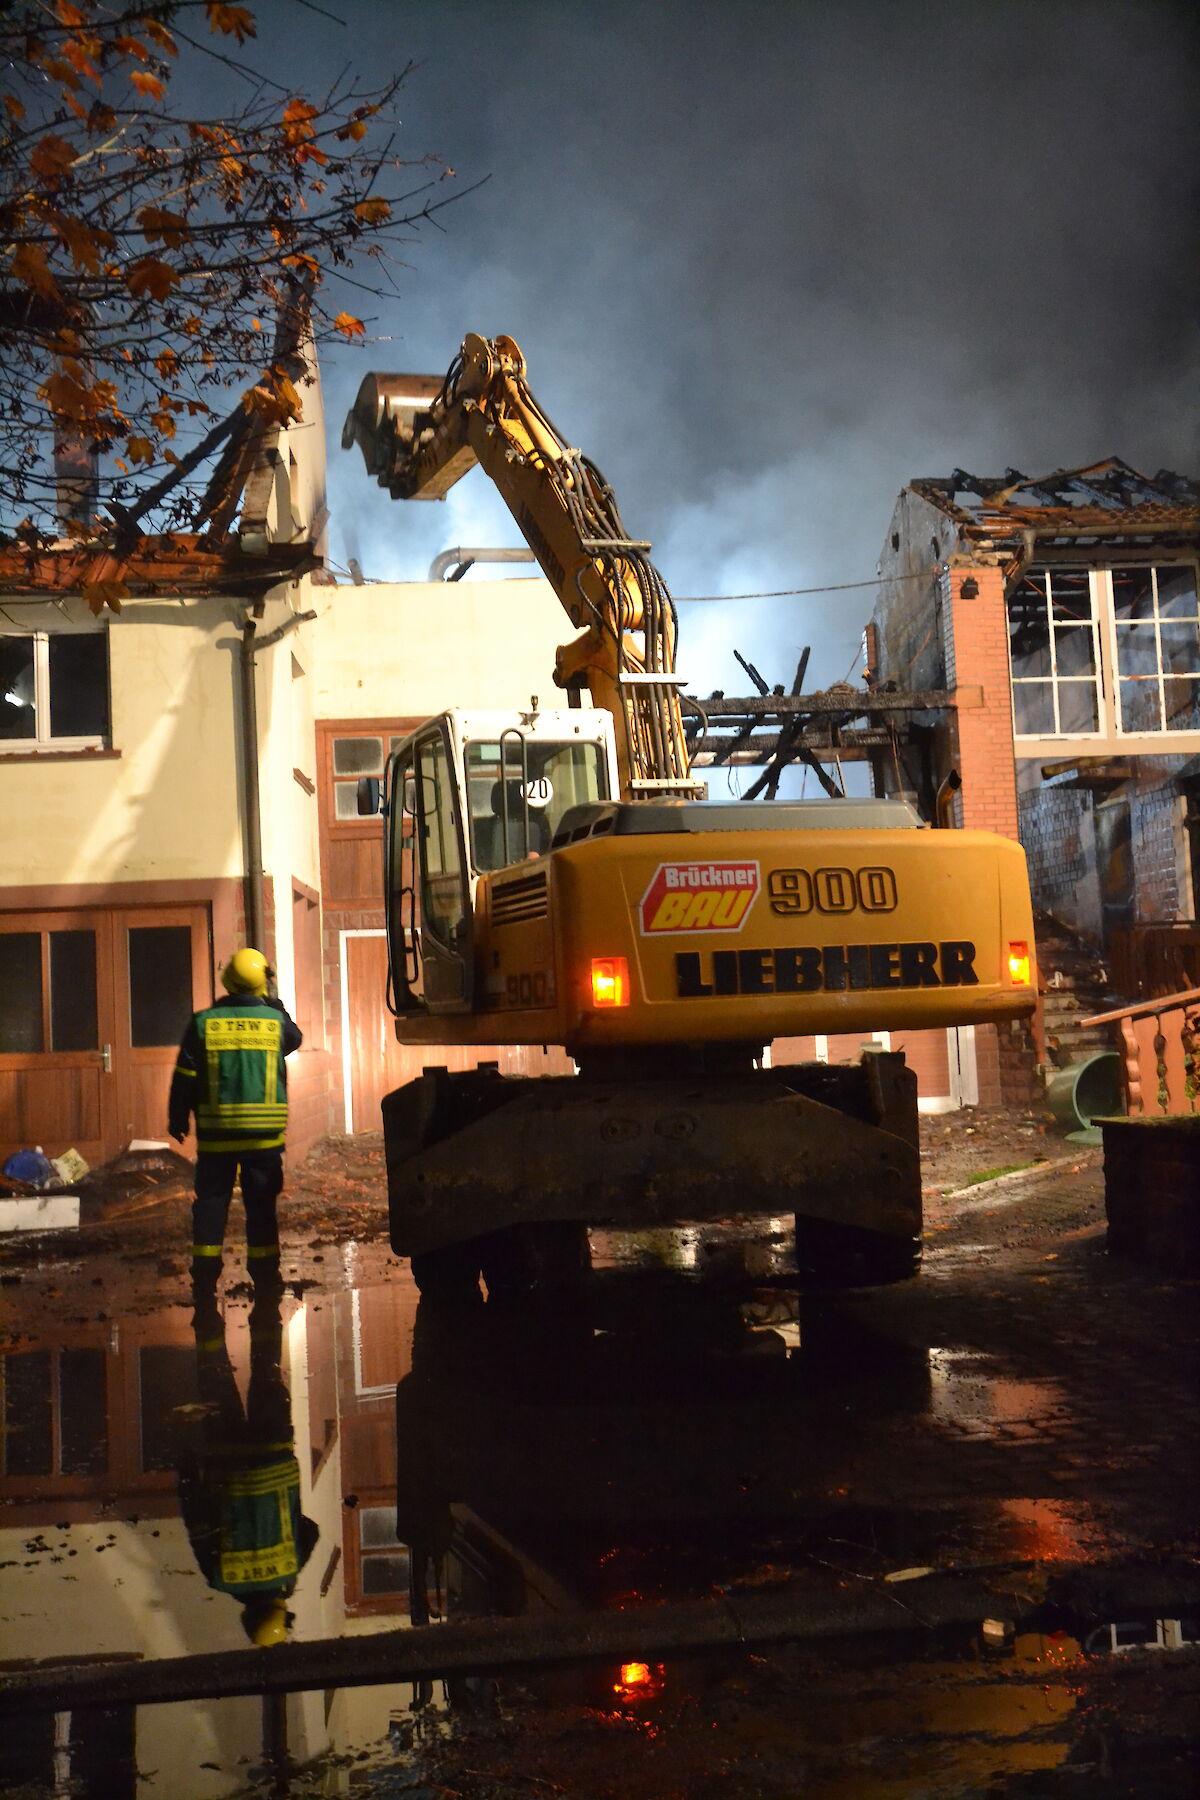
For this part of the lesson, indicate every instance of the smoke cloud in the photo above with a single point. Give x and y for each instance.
(769, 262)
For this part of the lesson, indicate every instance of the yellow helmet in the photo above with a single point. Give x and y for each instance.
(265, 1620)
(245, 973)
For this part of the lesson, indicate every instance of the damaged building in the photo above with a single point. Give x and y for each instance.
(1061, 614)
(180, 777)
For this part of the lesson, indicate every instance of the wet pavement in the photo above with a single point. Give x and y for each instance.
(697, 1535)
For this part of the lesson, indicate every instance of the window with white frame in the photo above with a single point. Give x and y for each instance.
(54, 690)
(1157, 636)
(1105, 652)
(354, 757)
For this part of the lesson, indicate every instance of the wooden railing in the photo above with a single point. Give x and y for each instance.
(1160, 1053)
(1149, 960)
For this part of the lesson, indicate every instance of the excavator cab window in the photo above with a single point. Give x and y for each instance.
(519, 787)
(444, 925)
(429, 912)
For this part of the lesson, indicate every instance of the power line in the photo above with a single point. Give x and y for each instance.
(835, 587)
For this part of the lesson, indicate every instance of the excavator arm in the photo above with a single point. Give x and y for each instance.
(418, 439)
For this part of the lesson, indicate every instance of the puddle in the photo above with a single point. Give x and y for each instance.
(694, 1438)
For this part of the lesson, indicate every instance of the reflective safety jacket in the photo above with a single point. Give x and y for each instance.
(231, 1074)
(242, 1514)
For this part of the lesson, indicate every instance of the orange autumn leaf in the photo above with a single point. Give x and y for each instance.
(160, 222)
(82, 240)
(140, 449)
(30, 267)
(233, 21)
(79, 53)
(50, 159)
(296, 115)
(349, 326)
(373, 212)
(14, 106)
(69, 15)
(148, 277)
(66, 397)
(100, 594)
(145, 83)
(158, 34)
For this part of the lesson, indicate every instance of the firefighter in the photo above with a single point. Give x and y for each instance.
(239, 1480)
(231, 1074)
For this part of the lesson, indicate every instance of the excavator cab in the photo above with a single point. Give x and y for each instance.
(468, 795)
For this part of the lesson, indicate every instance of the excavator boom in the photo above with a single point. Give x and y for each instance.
(418, 442)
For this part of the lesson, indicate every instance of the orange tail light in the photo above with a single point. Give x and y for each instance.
(639, 1681)
(1018, 964)
(610, 981)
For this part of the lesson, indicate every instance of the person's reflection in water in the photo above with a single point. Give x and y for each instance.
(239, 1481)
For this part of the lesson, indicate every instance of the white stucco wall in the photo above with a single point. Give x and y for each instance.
(164, 809)
(411, 649)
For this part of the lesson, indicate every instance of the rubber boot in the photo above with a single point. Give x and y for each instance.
(206, 1273)
(262, 1266)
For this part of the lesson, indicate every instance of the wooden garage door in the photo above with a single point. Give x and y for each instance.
(374, 1063)
(92, 1006)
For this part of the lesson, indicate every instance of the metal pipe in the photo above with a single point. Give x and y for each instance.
(496, 1646)
(254, 905)
(945, 799)
(449, 559)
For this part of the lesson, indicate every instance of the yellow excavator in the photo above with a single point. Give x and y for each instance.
(557, 877)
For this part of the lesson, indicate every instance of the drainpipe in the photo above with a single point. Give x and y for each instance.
(255, 907)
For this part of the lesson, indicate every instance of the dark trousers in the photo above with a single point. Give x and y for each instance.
(261, 1174)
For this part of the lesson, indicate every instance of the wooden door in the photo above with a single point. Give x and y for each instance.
(374, 1062)
(56, 1012)
(161, 969)
(92, 1006)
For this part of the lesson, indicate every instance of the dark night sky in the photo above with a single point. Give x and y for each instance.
(768, 262)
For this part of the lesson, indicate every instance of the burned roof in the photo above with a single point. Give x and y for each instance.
(1106, 498)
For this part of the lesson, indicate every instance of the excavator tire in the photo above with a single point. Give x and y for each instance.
(829, 1255)
(544, 1262)
(447, 1274)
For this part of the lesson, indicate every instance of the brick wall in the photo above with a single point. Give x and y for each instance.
(1057, 827)
(1154, 821)
(976, 632)
(1058, 832)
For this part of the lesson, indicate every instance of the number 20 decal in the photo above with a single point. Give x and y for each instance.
(797, 891)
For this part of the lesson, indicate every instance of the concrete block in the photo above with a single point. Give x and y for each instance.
(40, 1212)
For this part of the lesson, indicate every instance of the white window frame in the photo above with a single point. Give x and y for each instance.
(1110, 736)
(1104, 577)
(42, 743)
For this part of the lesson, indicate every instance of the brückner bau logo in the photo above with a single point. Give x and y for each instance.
(699, 896)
